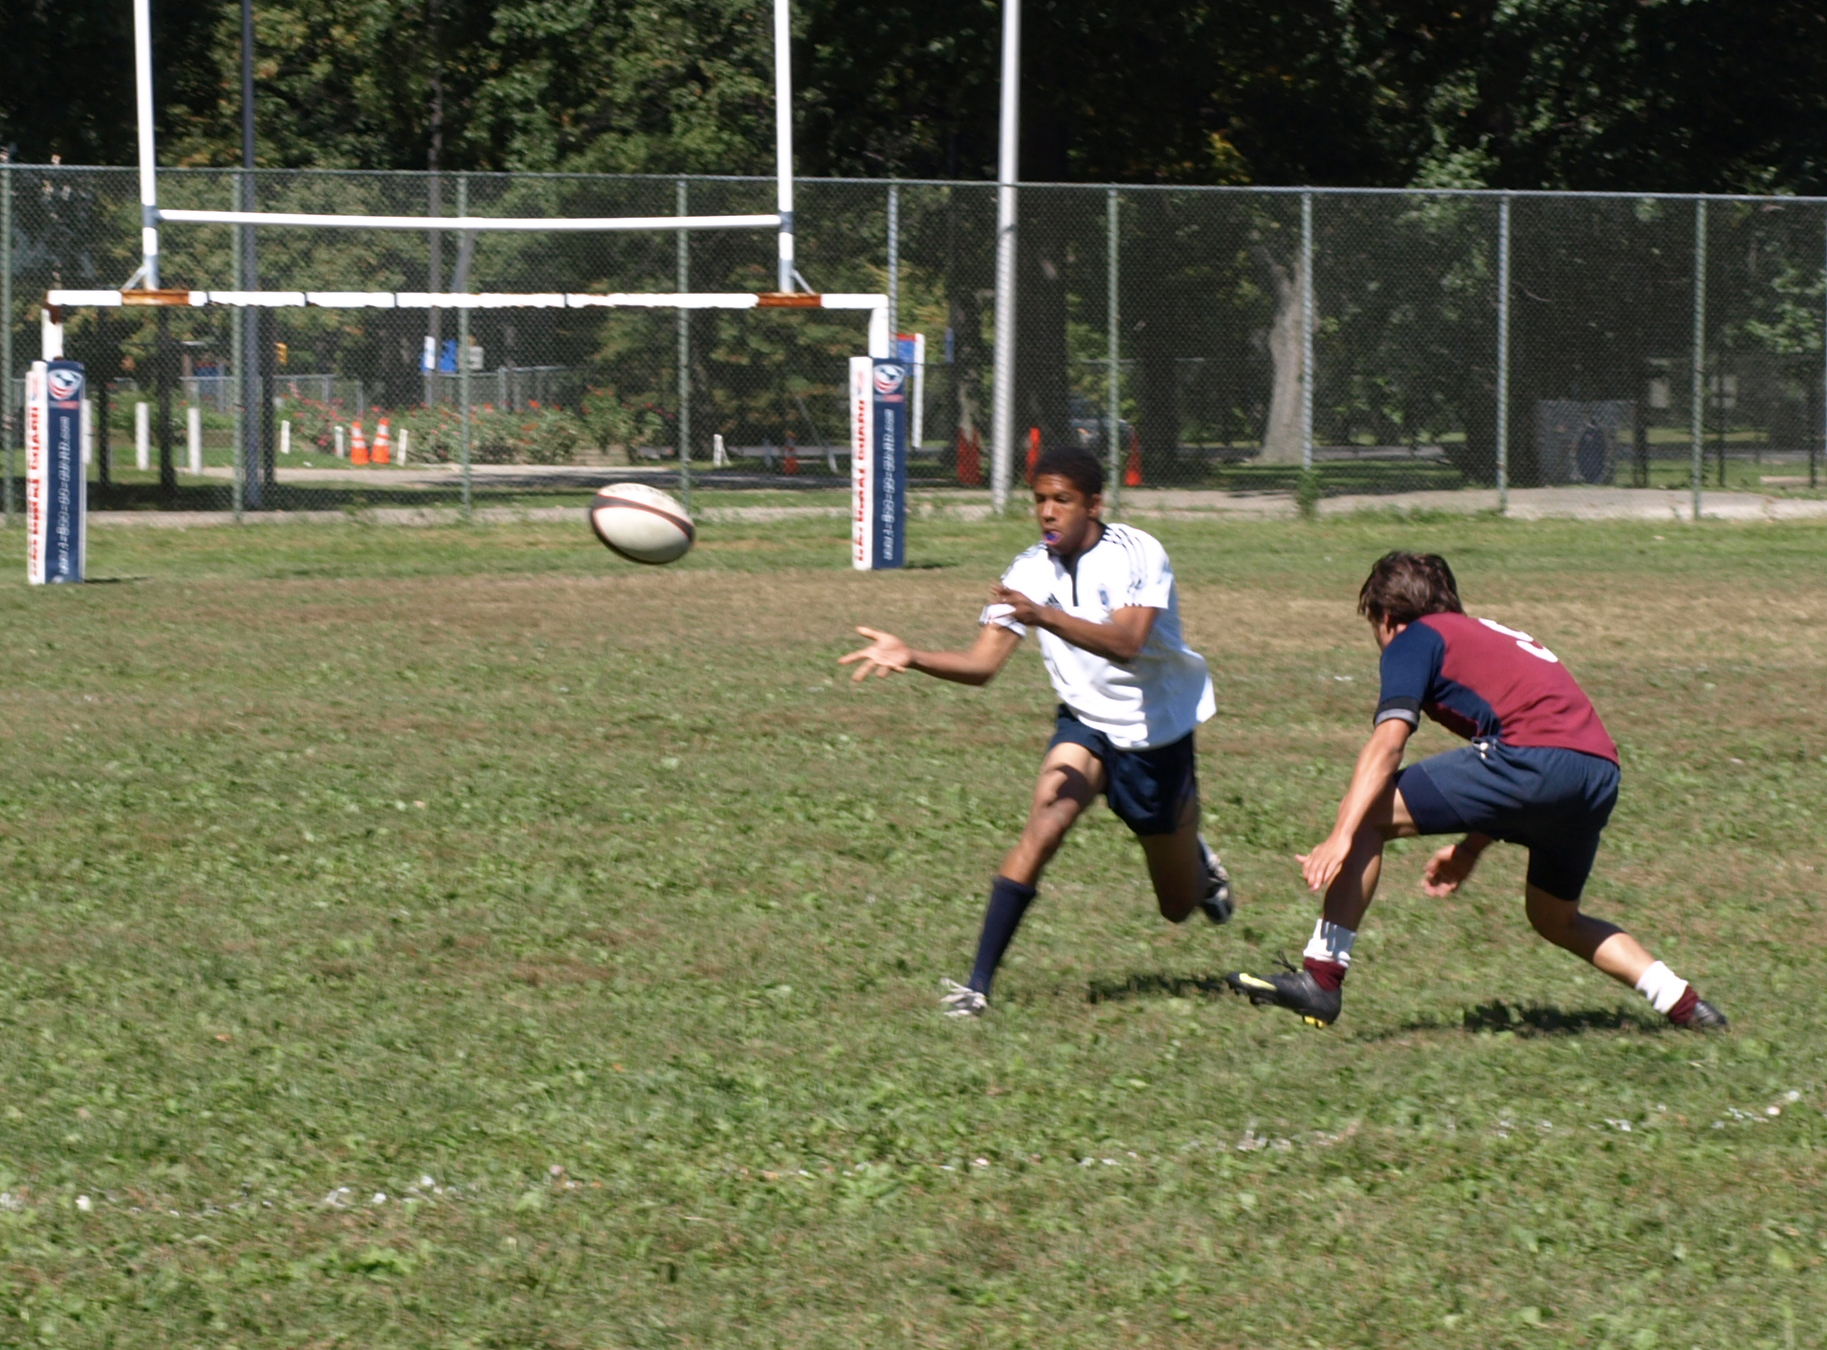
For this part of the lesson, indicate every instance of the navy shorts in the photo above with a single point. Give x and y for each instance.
(1148, 789)
(1553, 802)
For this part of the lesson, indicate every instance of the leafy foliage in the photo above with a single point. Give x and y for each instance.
(1639, 94)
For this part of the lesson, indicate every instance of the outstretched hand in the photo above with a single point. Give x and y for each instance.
(884, 655)
(1321, 867)
(1447, 869)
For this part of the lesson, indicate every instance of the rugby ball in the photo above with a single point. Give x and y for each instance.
(641, 523)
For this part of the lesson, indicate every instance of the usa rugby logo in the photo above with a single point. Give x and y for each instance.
(889, 379)
(64, 384)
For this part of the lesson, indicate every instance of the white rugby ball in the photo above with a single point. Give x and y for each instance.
(641, 523)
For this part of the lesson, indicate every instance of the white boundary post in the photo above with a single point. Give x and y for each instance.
(149, 181)
(783, 138)
(1002, 393)
(142, 435)
(193, 422)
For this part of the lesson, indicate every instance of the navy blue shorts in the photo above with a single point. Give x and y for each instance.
(1148, 789)
(1553, 802)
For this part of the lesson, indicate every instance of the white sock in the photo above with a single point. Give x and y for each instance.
(1662, 987)
(1331, 942)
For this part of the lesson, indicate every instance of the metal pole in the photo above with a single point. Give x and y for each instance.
(684, 361)
(1002, 394)
(1503, 354)
(6, 326)
(894, 271)
(1306, 332)
(1112, 372)
(248, 474)
(241, 345)
(463, 356)
(1698, 400)
(783, 138)
(149, 182)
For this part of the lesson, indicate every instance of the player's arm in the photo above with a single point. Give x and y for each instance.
(1375, 772)
(1120, 641)
(886, 654)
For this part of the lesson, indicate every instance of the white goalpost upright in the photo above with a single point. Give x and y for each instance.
(144, 288)
(780, 220)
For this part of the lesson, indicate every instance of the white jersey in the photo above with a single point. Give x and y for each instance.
(1167, 690)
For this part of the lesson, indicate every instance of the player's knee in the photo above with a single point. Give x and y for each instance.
(1177, 908)
(1047, 826)
(1557, 922)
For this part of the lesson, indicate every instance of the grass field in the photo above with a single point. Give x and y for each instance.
(460, 938)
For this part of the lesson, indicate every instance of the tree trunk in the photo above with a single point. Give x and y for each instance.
(1281, 437)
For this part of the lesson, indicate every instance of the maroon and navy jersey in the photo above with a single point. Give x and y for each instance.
(1482, 681)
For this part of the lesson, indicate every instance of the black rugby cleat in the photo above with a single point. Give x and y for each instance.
(1295, 990)
(1705, 1017)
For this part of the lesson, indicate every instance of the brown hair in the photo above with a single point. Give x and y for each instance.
(1404, 586)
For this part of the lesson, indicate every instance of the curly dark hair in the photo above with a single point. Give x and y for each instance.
(1075, 464)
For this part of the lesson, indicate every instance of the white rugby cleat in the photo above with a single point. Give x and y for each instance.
(960, 1000)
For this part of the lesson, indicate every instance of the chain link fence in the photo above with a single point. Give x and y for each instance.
(1261, 341)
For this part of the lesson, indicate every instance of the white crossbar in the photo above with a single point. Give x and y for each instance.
(57, 301)
(469, 224)
(73, 299)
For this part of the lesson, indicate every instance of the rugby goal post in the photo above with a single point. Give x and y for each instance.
(152, 215)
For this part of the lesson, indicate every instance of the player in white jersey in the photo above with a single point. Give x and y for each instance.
(1131, 691)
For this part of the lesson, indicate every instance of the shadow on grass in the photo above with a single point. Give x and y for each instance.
(1534, 1019)
(1154, 984)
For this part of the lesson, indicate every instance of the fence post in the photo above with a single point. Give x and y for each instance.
(894, 273)
(684, 361)
(1008, 170)
(463, 360)
(1306, 332)
(1698, 398)
(6, 324)
(1813, 455)
(241, 345)
(1112, 370)
(1503, 354)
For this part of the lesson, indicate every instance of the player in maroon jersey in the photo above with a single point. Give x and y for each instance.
(1540, 771)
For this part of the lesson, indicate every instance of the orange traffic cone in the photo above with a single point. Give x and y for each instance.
(383, 445)
(1132, 471)
(358, 445)
(790, 464)
(1033, 452)
(970, 459)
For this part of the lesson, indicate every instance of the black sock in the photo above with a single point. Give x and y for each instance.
(1009, 900)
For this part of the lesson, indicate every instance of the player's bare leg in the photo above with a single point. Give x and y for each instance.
(1185, 872)
(1313, 991)
(1070, 779)
(1605, 945)
(1620, 956)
